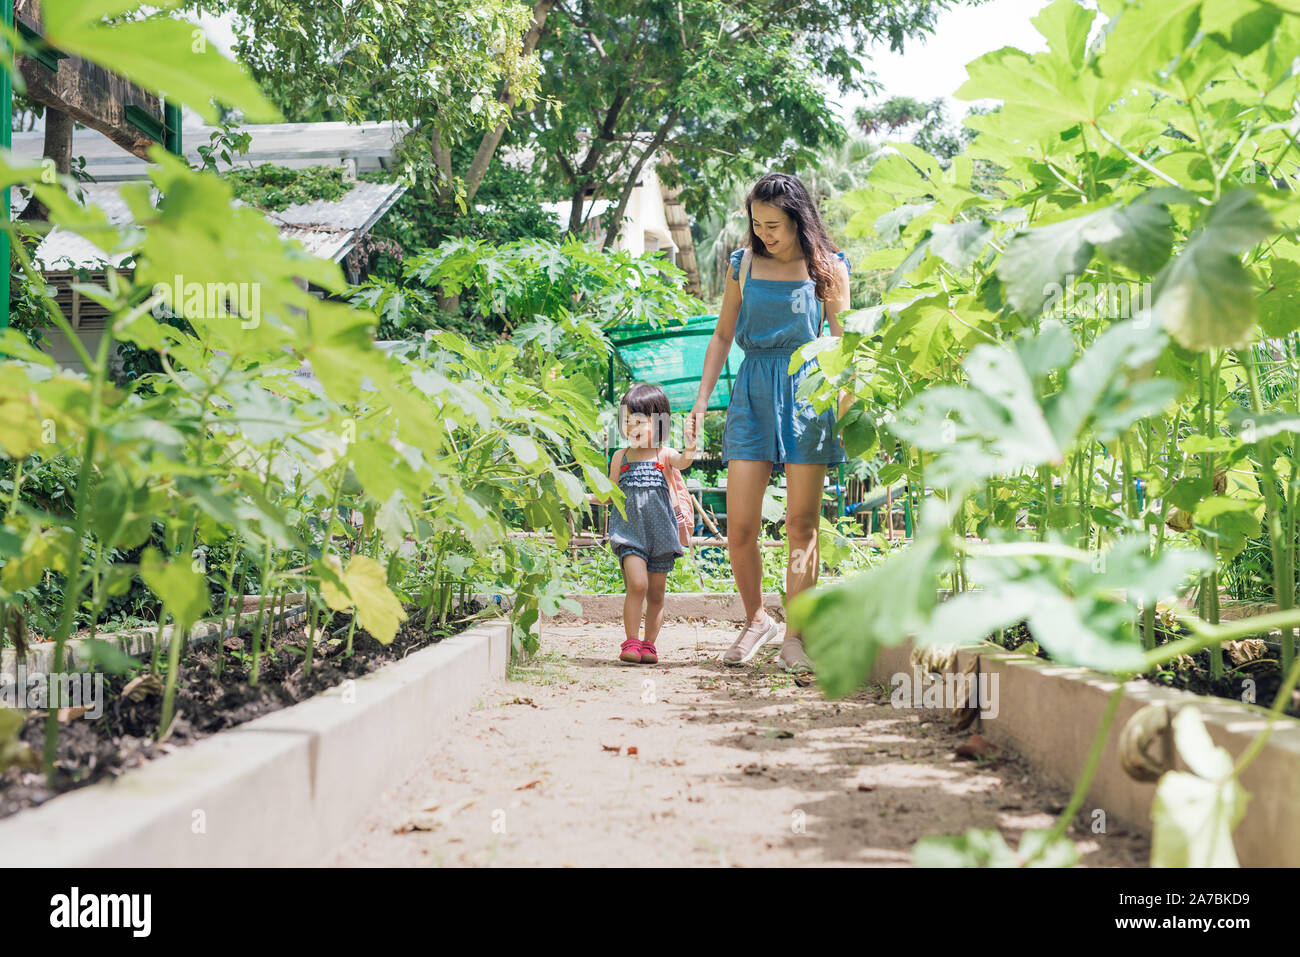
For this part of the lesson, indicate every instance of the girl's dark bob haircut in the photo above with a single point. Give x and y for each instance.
(648, 399)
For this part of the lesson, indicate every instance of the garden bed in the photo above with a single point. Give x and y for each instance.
(1049, 714)
(281, 790)
(123, 737)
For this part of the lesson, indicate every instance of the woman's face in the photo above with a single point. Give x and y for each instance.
(636, 426)
(774, 227)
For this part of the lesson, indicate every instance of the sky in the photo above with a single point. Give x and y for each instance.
(936, 67)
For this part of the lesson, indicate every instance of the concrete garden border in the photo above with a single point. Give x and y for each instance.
(1049, 715)
(282, 790)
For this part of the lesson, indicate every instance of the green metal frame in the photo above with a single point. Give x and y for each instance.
(42, 52)
(726, 375)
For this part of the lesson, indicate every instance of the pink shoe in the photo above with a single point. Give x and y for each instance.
(648, 654)
(630, 651)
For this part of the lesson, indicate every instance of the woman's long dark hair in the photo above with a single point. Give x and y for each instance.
(788, 193)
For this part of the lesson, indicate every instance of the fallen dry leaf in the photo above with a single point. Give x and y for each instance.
(1247, 649)
(68, 714)
(139, 688)
(611, 747)
(632, 752)
(530, 784)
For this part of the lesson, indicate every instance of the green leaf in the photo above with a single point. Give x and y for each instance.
(182, 590)
(108, 657)
(1204, 297)
(1038, 263)
(845, 624)
(959, 244)
(1279, 304)
(365, 586)
(1193, 814)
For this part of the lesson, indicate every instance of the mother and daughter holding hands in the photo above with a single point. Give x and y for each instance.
(779, 292)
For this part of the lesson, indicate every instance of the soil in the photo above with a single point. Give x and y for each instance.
(579, 760)
(124, 736)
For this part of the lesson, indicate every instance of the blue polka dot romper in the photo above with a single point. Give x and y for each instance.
(764, 419)
(650, 529)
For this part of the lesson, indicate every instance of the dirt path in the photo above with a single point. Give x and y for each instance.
(580, 760)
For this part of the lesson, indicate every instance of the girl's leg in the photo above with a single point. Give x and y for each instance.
(803, 507)
(654, 605)
(635, 586)
(746, 481)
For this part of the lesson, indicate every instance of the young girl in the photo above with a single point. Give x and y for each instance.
(646, 542)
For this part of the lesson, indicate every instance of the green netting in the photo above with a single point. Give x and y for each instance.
(671, 355)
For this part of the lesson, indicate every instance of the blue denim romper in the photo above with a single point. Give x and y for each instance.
(764, 419)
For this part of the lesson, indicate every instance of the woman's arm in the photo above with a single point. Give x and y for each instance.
(715, 356)
(836, 304)
(839, 298)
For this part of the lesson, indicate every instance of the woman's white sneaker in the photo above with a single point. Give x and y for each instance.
(754, 636)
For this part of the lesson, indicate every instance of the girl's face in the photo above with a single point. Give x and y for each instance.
(637, 428)
(774, 227)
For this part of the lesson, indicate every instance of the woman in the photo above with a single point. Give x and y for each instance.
(797, 279)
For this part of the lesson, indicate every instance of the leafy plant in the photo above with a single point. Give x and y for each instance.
(1086, 363)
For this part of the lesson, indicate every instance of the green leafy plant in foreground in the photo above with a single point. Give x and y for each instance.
(1089, 367)
(229, 471)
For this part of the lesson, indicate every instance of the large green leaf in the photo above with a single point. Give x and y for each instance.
(365, 588)
(1036, 260)
(845, 624)
(1204, 297)
(1194, 813)
(182, 590)
(958, 244)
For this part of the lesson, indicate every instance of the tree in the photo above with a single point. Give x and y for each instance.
(453, 69)
(727, 89)
(934, 133)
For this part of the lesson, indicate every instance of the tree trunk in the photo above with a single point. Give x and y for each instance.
(492, 139)
(615, 223)
(599, 144)
(58, 147)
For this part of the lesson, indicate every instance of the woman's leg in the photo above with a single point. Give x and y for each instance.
(635, 587)
(654, 604)
(746, 482)
(803, 507)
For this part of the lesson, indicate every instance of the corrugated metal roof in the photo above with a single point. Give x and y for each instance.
(327, 230)
(369, 145)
